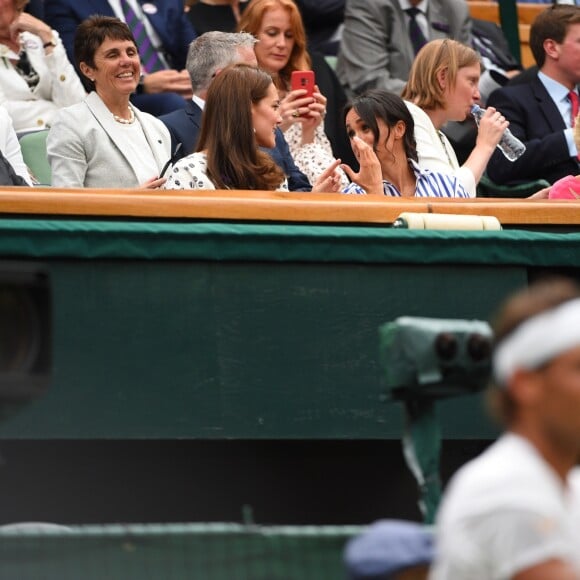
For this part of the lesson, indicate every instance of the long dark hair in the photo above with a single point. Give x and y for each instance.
(234, 160)
(390, 108)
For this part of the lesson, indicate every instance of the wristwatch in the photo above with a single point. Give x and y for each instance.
(52, 42)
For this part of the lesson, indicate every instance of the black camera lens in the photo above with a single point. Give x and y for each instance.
(478, 347)
(446, 346)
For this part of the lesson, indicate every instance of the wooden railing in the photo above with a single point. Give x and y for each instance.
(488, 10)
(272, 206)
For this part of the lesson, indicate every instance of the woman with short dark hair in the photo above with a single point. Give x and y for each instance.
(105, 141)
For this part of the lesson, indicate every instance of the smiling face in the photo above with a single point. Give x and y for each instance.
(463, 94)
(266, 117)
(275, 40)
(117, 69)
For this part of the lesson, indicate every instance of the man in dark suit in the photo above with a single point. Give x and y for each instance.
(208, 55)
(168, 29)
(540, 111)
(36, 8)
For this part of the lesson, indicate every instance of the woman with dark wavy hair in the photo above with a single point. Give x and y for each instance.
(241, 114)
(381, 131)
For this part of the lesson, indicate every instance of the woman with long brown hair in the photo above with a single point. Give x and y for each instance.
(281, 50)
(241, 113)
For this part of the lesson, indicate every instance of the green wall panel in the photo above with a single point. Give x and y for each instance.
(207, 349)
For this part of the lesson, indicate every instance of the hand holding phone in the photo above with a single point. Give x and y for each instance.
(303, 79)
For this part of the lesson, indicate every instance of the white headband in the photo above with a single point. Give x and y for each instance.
(538, 340)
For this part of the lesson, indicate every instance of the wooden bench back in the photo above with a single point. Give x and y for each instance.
(272, 206)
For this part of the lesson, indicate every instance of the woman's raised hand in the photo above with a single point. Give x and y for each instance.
(370, 175)
(491, 128)
(329, 179)
(314, 118)
(25, 22)
(296, 107)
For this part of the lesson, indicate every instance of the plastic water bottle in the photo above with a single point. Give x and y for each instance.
(509, 145)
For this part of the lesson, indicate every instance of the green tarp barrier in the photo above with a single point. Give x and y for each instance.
(219, 241)
(175, 552)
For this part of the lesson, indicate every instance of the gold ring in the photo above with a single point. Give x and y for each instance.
(296, 113)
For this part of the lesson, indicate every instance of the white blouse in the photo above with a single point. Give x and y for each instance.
(435, 152)
(191, 173)
(58, 85)
(10, 146)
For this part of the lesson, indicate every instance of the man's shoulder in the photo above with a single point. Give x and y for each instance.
(82, 7)
(519, 93)
(174, 118)
(371, 5)
(509, 474)
(447, 5)
(191, 113)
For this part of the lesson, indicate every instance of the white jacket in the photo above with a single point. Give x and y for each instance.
(58, 86)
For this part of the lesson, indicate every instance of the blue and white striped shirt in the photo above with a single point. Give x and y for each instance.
(429, 184)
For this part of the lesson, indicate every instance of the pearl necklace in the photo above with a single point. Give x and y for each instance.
(128, 121)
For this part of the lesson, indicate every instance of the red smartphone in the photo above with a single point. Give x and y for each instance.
(303, 79)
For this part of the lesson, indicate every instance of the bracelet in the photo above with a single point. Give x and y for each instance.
(49, 43)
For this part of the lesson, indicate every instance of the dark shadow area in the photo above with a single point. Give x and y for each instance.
(284, 482)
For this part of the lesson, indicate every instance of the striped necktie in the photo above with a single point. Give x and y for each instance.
(415, 33)
(150, 61)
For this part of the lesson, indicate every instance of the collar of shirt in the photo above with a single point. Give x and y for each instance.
(421, 18)
(198, 101)
(422, 6)
(390, 189)
(559, 94)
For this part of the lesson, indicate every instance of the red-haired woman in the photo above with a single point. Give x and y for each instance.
(278, 26)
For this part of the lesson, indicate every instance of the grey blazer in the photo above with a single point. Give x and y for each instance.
(375, 50)
(86, 147)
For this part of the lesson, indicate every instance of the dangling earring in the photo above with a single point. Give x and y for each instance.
(254, 129)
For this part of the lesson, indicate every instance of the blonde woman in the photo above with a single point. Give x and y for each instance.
(442, 87)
